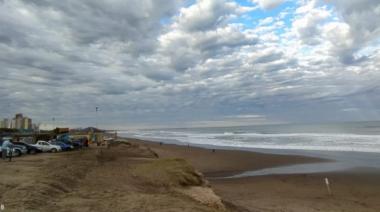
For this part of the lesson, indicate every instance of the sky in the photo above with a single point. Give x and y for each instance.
(173, 63)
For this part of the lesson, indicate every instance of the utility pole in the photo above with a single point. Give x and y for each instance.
(96, 126)
(96, 111)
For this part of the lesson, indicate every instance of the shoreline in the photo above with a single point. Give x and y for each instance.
(234, 161)
(312, 161)
(352, 189)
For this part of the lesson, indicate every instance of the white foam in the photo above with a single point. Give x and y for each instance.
(291, 141)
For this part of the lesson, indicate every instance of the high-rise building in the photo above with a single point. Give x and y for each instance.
(4, 123)
(13, 123)
(19, 121)
(26, 123)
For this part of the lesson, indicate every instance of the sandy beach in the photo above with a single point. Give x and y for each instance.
(352, 190)
(220, 162)
(137, 175)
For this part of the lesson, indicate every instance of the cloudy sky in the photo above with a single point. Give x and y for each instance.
(190, 63)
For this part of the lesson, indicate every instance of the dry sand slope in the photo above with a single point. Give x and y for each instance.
(123, 178)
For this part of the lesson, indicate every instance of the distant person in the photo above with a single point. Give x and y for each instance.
(86, 142)
(6, 148)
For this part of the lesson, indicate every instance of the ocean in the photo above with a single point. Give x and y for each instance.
(348, 136)
(348, 145)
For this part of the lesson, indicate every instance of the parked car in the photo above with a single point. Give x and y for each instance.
(15, 153)
(77, 143)
(30, 149)
(64, 146)
(20, 150)
(47, 147)
(65, 138)
(16, 150)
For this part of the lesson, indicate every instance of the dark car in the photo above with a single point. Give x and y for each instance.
(63, 145)
(30, 149)
(77, 144)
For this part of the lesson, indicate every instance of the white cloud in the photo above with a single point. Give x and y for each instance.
(307, 22)
(206, 14)
(266, 21)
(268, 4)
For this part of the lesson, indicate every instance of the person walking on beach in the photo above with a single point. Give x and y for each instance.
(6, 148)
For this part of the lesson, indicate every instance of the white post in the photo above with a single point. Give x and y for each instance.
(328, 186)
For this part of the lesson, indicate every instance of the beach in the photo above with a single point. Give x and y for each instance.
(139, 175)
(352, 190)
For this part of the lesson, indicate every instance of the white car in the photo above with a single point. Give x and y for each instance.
(47, 147)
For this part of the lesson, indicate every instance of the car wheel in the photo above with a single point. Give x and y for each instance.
(32, 151)
(18, 153)
(53, 150)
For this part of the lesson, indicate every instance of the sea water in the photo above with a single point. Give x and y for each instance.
(350, 136)
(350, 144)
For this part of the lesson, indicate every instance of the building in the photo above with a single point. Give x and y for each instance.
(19, 119)
(13, 124)
(26, 123)
(61, 130)
(20, 122)
(4, 123)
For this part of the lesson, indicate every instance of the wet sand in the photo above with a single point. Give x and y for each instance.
(352, 190)
(219, 163)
